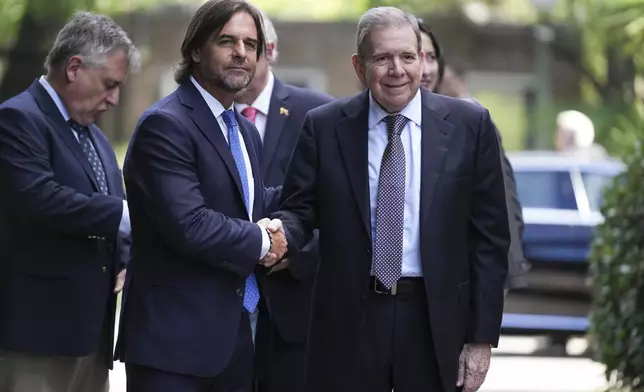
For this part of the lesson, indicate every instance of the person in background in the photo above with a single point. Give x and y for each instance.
(575, 134)
(64, 216)
(277, 110)
(434, 63)
(435, 72)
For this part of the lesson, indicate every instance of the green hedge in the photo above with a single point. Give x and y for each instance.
(617, 279)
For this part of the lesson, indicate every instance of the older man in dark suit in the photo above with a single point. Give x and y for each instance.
(406, 189)
(277, 110)
(64, 222)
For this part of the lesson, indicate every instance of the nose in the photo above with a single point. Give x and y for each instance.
(113, 96)
(396, 68)
(240, 50)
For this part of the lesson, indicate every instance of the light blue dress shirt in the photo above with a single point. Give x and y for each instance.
(411, 137)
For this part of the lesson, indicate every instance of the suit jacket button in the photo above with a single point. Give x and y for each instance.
(240, 292)
(368, 250)
(104, 269)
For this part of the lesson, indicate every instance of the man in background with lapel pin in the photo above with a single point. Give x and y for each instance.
(64, 222)
(277, 110)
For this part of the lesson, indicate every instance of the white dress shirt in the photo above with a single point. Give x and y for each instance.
(217, 110)
(411, 139)
(262, 104)
(124, 226)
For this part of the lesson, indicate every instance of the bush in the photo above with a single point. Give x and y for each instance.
(617, 278)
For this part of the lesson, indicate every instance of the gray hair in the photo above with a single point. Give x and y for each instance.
(382, 17)
(92, 37)
(271, 34)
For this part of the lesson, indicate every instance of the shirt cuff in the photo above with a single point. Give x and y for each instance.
(124, 226)
(266, 242)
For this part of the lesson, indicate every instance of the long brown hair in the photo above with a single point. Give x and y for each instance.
(440, 58)
(209, 19)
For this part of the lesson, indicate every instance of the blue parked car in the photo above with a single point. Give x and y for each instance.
(561, 196)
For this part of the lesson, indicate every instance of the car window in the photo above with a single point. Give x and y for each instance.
(595, 184)
(545, 189)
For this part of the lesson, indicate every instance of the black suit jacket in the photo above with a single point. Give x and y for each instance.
(289, 291)
(61, 249)
(193, 244)
(463, 235)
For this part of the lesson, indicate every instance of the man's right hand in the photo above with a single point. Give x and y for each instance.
(278, 242)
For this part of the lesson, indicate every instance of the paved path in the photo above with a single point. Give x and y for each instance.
(512, 370)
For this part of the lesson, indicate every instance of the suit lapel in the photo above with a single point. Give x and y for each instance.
(435, 141)
(352, 133)
(209, 126)
(47, 105)
(275, 123)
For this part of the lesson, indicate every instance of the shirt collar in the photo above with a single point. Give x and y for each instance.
(55, 97)
(413, 111)
(263, 101)
(215, 106)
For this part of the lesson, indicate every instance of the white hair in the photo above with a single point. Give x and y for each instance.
(271, 34)
(578, 127)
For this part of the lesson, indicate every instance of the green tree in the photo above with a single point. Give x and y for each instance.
(28, 28)
(614, 68)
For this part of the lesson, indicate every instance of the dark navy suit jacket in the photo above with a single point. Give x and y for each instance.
(289, 291)
(193, 244)
(60, 249)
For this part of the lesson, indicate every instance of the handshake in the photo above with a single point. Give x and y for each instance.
(278, 245)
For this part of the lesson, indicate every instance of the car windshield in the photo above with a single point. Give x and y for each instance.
(595, 185)
(554, 189)
(545, 189)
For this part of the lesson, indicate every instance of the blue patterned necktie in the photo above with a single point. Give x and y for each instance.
(251, 294)
(88, 149)
(390, 208)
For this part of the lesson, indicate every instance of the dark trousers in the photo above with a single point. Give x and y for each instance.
(279, 364)
(285, 371)
(236, 377)
(399, 352)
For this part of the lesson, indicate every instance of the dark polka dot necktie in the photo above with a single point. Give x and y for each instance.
(88, 149)
(390, 207)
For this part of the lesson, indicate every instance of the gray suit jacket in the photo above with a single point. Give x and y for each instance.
(517, 264)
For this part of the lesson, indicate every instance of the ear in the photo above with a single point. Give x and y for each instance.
(360, 69)
(73, 65)
(196, 55)
(270, 49)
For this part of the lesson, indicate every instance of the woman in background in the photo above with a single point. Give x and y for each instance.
(434, 65)
(455, 86)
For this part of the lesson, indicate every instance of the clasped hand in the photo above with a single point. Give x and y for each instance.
(278, 242)
(473, 365)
